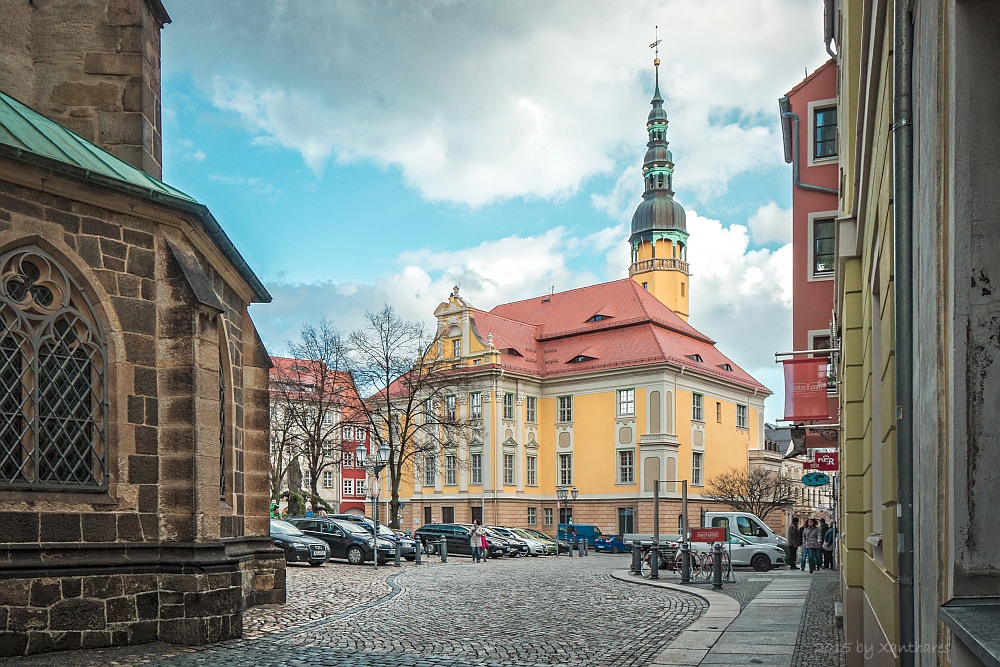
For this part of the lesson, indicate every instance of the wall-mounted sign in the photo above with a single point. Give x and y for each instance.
(826, 460)
(815, 479)
(806, 389)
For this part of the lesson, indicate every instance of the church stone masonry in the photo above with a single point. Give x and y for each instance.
(133, 385)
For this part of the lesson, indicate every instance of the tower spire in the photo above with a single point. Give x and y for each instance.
(659, 233)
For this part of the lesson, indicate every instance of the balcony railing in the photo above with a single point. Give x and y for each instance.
(658, 263)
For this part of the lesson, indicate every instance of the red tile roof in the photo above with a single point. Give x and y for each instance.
(299, 371)
(549, 332)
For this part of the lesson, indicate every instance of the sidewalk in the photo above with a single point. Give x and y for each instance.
(766, 632)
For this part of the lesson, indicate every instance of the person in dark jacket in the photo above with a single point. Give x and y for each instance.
(812, 542)
(794, 541)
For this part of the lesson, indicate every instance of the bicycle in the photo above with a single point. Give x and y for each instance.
(706, 570)
(671, 559)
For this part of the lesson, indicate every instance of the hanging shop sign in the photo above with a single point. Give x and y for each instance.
(815, 479)
(805, 389)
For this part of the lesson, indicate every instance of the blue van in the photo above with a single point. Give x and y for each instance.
(574, 532)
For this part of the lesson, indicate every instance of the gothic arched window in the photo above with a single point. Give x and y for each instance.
(53, 395)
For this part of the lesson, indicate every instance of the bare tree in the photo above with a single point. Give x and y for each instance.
(282, 447)
(413, 393)
(312, 388)
(753, 490)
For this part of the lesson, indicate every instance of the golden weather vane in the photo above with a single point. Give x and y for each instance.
(656, 46)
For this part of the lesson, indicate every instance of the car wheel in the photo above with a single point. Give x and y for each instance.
(355, 555)
(411, 558)
(760, 563)
(430, 548)
(614, 549)
(315, 564)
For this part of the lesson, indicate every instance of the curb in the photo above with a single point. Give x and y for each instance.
(691, 645)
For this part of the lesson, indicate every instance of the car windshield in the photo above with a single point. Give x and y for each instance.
(284, 528)
(353, 528)
(503, 531)
(538, 534)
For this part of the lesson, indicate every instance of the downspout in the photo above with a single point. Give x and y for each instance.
(903, 283)
(788, 117)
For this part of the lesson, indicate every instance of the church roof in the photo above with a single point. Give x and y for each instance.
(609, 325)
(29, 136)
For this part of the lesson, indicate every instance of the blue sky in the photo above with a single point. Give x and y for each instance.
(368, 152)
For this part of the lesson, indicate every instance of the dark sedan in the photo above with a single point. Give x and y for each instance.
(345, 539)
(407, 545)
(458, 539)
(298, 547)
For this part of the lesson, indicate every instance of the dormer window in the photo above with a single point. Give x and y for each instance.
(695, 357)
(599, 318)
(511, 352)
(580, 358)
(726, 367)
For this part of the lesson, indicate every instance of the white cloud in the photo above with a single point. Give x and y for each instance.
(739, 297)
(771, 224)
(254, 185)
(478, 103)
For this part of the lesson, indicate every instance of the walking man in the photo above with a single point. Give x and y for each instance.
(794, 541)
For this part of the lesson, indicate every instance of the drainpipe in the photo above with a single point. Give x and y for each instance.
(903, 282)
(790, 126)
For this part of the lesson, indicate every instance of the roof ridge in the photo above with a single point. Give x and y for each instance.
(575, 289)
(504, 317)
(809, 78)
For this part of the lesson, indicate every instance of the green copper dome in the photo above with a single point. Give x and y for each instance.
(658, 212)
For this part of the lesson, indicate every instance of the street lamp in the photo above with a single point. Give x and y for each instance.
(564, 495)
(374, 465)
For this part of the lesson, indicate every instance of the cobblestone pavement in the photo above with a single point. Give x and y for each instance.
(513, 613)
(821, 642)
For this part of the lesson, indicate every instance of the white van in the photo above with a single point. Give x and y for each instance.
(747, 526)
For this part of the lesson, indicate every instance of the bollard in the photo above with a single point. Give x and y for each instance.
(396, 557)
(636, 567)
(717, 566)
(420, 548)
(685, 563)
(654, 560)
(444, 550)
(586, 547)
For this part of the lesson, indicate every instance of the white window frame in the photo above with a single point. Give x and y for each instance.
(626, 471)
(531, 470)
(813, 217)
(697, 471)
(429, 469)
(361, 486)
(306, 479)
(532, 516)
(547, 516)
(327, 479)
(476, 468)
(811, 160)
(348, 485)
(565, 409)
(508, 468)
(450, 408)
(697, 407)
(508, 406)
(531, 409)
(742, 416)
(450, 470)
(456, 348)
(476, 405)
(565, 471)
(626, 398)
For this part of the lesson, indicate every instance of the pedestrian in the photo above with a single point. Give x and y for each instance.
(828, 541)
(812, 542)
(485, 546)
(309, 510)
(322, 512)
(794, 541)
(476, 541)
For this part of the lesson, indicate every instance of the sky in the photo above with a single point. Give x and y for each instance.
(362, 152)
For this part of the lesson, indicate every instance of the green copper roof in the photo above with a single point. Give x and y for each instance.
(23, 128)
(29, 136)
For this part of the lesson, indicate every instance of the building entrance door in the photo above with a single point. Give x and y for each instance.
(428, 517)
(626, 520)
(477, 513)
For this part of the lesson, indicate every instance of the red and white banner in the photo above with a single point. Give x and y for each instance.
(805, 389)
(708, 534)
(826, 461)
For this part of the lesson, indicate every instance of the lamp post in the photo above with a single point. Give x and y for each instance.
(564, 495)
(374, 468)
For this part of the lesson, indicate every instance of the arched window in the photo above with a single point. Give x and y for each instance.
(53, 395)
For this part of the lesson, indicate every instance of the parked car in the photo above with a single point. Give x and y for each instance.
(518, 547)
(612, 543)
(345, 539)
(562, 544)
(748, 526)
(298, 547)
(761, 556)
(537, 545)
(458, 537)
(407, 545)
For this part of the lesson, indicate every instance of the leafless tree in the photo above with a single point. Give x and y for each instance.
(412, 395)
(754, 490)
(282, 447)
(312, 389)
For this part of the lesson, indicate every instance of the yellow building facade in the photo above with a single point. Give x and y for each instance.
(605, 389)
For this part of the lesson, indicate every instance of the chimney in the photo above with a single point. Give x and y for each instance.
(92, 66)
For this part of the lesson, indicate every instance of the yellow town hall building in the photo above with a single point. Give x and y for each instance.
(604, 388)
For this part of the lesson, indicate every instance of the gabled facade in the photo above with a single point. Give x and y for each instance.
(605, 388)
